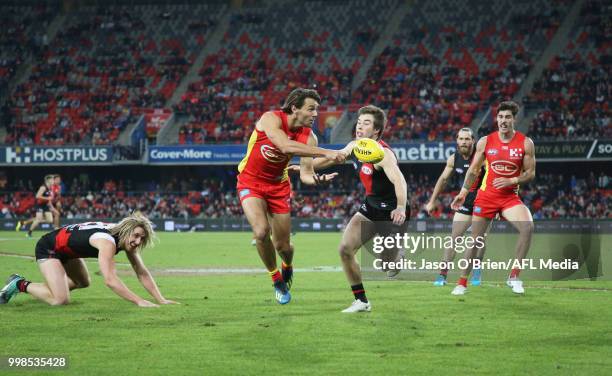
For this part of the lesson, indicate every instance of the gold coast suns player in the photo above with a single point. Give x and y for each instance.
(263, 183)
(510, 162)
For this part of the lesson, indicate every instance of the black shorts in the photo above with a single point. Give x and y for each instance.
(468, 205)
(45, 248)
(382, 219)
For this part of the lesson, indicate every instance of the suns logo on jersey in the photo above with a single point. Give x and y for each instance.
(272, 154)
(366, 170)
(504, 168)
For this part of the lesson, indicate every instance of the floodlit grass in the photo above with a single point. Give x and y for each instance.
(229, 323)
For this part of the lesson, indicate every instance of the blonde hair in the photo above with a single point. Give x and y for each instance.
(126, 226)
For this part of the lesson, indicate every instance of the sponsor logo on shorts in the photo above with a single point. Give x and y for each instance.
(477, 209)
(459, 170)
(366, 170)
(492, 152)
(244, 192)
(504, 168)
(272, 154)
(364, 207)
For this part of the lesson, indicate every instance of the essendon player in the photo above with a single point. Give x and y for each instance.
(263, 185)
(44, 204)
(56, 204)
(510, 161)
(386, 198)
(60, 256)
(458, 164)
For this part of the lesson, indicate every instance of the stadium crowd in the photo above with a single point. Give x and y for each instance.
(552, 196)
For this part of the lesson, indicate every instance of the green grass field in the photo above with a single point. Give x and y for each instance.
(229, 323)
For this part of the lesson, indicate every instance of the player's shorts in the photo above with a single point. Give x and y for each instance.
(468, 205)
(382, 219)
(277, 196)
(42, 208)
(488, 205)
(45, 249)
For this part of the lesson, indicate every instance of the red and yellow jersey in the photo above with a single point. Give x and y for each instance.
(263, 161)
(503, 160)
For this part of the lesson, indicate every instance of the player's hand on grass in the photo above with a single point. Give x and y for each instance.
(503, 182)
(398, 215)
(147, 304)
(458, 201)
(168, 301)
(322, 179)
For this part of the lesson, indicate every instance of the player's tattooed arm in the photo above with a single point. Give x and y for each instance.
(441, 183)
(472, 173)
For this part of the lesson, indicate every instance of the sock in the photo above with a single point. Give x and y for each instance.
(287, 270)
(359, 292)
(444, 273)
(515, 273)
(30, 232)
(22, 285)
(276, 276)
(462, 281)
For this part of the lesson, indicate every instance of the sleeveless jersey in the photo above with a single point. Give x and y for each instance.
(460, 168)
(263, 161)
(72, 241)
(46, 193)
(503, 160)
(57, 191)
(380, 192)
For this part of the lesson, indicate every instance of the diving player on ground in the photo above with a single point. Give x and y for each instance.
(60, 256)
(510, 161)
(263, 184)
(458, 163)
(386, 201)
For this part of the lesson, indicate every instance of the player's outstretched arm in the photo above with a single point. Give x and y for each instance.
(307, 173)
(472, 173)
(146, 279)
(393, 172)
(271, 125)
(106, 252)
(441, 183)
(323, 163)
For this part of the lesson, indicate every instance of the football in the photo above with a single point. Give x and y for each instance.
(368, 150)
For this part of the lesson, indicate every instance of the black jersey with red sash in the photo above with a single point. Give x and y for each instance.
(380, 191)
(72, 241)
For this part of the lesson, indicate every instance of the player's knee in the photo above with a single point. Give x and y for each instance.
(345, 252)
(59, 300)
(282, 246)
(261, 233)
(526, 228)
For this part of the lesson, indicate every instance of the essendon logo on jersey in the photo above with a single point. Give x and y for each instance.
(516, 153)
(366, 170)
(504, 168)
(272, 154)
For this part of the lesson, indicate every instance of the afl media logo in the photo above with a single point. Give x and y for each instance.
(272, 154)
(366, 170)
(504, 168)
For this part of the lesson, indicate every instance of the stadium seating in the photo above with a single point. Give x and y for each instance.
(445, 64)
(103, 68)
(572, 98)
(259, 62)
